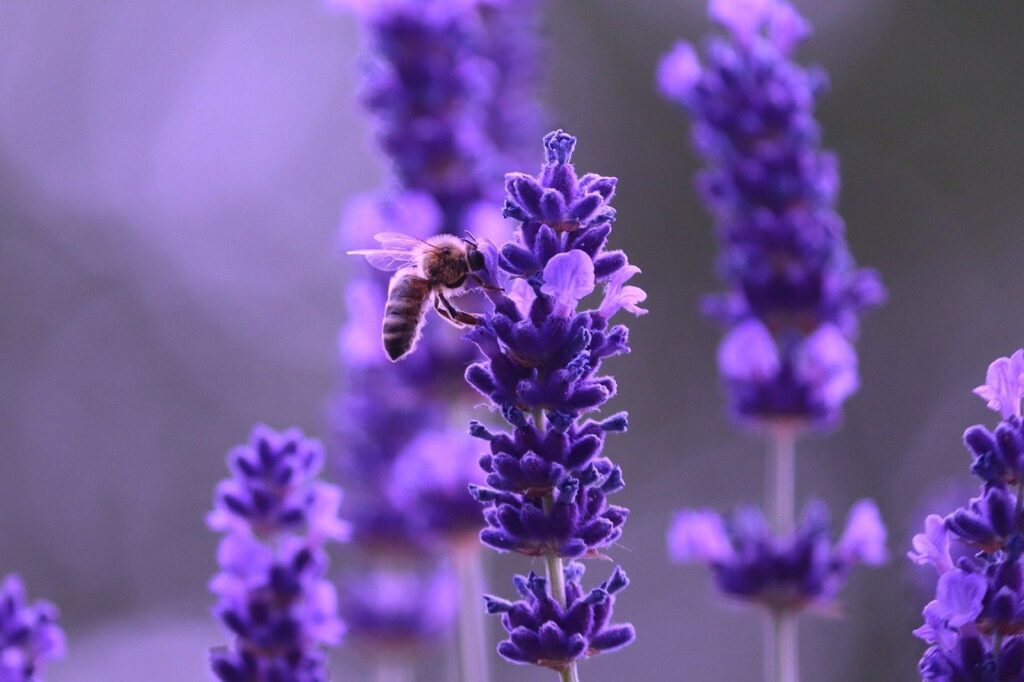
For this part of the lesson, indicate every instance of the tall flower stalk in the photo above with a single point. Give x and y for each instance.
(794, 296)
(973, 627)
(451, 88)
(547, 480)
(30, 634)
(273, 593)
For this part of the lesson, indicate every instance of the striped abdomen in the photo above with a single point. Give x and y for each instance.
(408, 294)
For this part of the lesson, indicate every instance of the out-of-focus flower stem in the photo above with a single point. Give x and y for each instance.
(394, 671)
(473, 646)
(781, 651)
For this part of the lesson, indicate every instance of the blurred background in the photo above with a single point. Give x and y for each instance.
(171, 176)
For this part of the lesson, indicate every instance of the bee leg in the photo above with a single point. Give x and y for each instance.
(449, 312)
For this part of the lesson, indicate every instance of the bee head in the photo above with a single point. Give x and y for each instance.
(474, 256)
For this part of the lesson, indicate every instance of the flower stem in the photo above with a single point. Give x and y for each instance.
(781, 652)
(556, 580)
(394, 671)
(472, 626)
(782, 481)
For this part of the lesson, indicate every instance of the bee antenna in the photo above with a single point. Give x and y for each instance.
(470, 238)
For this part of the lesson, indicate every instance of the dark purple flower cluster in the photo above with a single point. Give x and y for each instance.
(975, 625)
(795, 294)
(541, 631)
(30, 634)
(547, 481)
(785, 574)
(547, 485)
(273, 595)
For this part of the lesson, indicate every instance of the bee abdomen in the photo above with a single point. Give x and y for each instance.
(403, 314)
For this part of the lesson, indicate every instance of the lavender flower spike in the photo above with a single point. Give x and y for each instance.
(546, 633)
(30, 634)
(804, 570)
(973, 627)
(794, 294)
(548, 482)
(273, 595)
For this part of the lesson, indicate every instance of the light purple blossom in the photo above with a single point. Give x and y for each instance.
(679, 71)
(568, 277)
(748, 353)
(932, 546)
(827, 360)
(359, 341)
(744, 18)
(1004, 385)
(30, 634)
(865, 535)
(620, 296)
(408, 211)
(959, 597)
(698, 535)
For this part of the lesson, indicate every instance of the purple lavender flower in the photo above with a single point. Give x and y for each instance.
(30, 634)
(449, 85)
(794, 295)
(546, 633)
(802, 570)
(547, 480)
(273, 595)
(393, 610)
(542, 364)
(974, 625)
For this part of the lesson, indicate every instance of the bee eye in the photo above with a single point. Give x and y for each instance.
(476, 259)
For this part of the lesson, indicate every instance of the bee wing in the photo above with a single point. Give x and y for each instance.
(396, 241)
(397, 251)
(388, 260)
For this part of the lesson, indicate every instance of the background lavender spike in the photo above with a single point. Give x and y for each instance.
(973, 626)
(30, 634)
(547, 479)
(792, 307)
(794, 295)
(273, 594)
(451, 87)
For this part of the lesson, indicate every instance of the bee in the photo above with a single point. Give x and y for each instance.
(433, 269)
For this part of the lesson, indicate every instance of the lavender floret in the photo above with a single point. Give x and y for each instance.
(30, 634)
(273, 594)
(802, 570)
(794, 295)
(974, 625)
(546, 633)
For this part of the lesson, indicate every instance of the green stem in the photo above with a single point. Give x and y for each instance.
(472, 626)
(394, 671)
(556, 584)
(782, 659)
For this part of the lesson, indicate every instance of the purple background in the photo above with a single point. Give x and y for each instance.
(170, 180)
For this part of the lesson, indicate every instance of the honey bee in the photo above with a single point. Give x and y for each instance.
(432, 269)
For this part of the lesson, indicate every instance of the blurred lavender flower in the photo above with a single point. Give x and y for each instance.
(792, 306)
(395, 610)
(800, 571)
(30, 634)
(273, 595)
(975, 623)
(545, 632)
(795, 295)
(451, 86)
